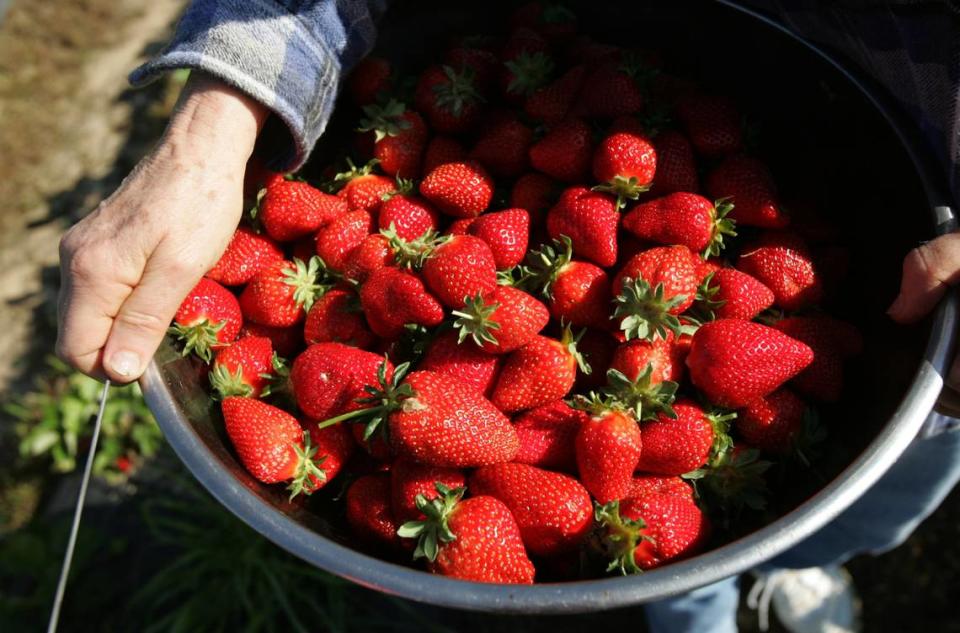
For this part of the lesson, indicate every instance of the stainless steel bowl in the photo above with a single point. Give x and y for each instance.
(868, 159)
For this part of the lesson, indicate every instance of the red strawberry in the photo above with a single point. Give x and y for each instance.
(782, 262)
(207, 319)
(682, 218)
(336, 318)
(372, 253)
(246, 255)
(647, 485)
(502, 148)
(410, 216)
(506, 233)
(442, 150)
(613, 89)
(731, 294)
(676, 165)
(242, 369)
(645, 533)
(463, 190)
(329, 378)
(662, 284)
(287, 341)
(540, 372)
(460, 267)
(363, 190)
(735, 362)
(547, 435)
(338, 239)
(553, 102)
(674, 446)
(624, 164)
(534, 192)
(554, 21)
(707, 266)
(475, 539)
(400, 136)
(477, 60)
(525, 73)
(664, 357)
(608, 447)
(281, 294)
(290, 209)
(749, 185)
(460, 227)
(334, 446)
(565, 152)
(270, 444)
(712, 123)
(772, 423)
(553, 511)
(590, 219)
(369, 513)
(831, 341)
(391, 298)
(368, 79)
(579, 292)
(501, 320)
(409, 479)
(449, 99)
(475, 367)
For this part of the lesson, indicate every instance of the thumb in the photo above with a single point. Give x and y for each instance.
(928, 271)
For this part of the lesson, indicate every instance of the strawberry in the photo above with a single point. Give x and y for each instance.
(286, 341)
(552, 510)
(474, 539)
(330, 378)
(506, 233)
(290, 209)
(676, 165)
(553, 102)
(608, 447)
(712, 123)
(475, 367)
(409, 216)
(735, 362)
(647, 485)
(554, 21)
(590, 219)
(400, 136)
(523, 41)
(371, 77)
(363, 190)
(408, 480)
(243, 368)
(645, 375)
(463, 190)
(681, 444)
(547, 435)
(460, 226)
(338, 239)
(831, 341)
(208, 318)
(525, 73)
(640, 534)
(372, 253)
(247, 254)
(477, 59)
(731, 294)
(502, 148)
(336, 318)
(565, 152)
(391, 298)
(281, 294)
(624, 163)
(534, 192)
(540, 372)
(653, 288)
(579, 292)
(772, 423)
(334, 446)
(501, 320)
(613, 88)
(449, 99)
(749, 185)
(682, 218)
(442, 150)
(782, 262)
(460, 267)
(369, 513)
(270, 443)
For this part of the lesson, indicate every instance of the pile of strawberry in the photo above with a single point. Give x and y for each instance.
(519, 334)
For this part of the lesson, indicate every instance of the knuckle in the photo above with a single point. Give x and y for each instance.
(145, 321)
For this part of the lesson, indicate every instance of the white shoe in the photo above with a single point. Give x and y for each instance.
(814, 600)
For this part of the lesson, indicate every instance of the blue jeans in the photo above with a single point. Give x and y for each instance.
(879, 521)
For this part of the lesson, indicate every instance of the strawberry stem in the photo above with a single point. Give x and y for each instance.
(645, 399)
(620, 537)
(199, 338)
(434, 529)
(475, 321)
(645, 310)
(307, 469)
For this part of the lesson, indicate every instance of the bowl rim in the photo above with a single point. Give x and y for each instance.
(606, 593)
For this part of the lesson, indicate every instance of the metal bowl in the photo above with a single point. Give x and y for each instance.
(839, 144)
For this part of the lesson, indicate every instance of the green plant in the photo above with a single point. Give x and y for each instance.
(54, 421)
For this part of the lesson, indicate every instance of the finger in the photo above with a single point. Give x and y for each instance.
(928, 271)
(142, 320)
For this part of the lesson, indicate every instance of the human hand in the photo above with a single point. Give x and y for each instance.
(929, 271)
(126, 267)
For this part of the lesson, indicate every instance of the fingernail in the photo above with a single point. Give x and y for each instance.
(125, 364)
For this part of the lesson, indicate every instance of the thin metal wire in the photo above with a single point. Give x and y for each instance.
(72, 541)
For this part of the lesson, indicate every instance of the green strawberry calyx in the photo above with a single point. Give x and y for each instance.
(620, 537)
(199, 337)
(530, 72)
(226, 383)
(476, 321)
(458, 91)
(722, 225)
(569, 340)
(732, 480)
(720, 423)
(384, 120)
(307, 469)
(624, 188)
(646, 399)
(304, 279)
(412, 253)
(543, 266)
(645, 310)
(434, 529)
(353, 172)
(706, 304)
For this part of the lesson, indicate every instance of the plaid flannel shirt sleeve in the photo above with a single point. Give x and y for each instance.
(287, 54)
